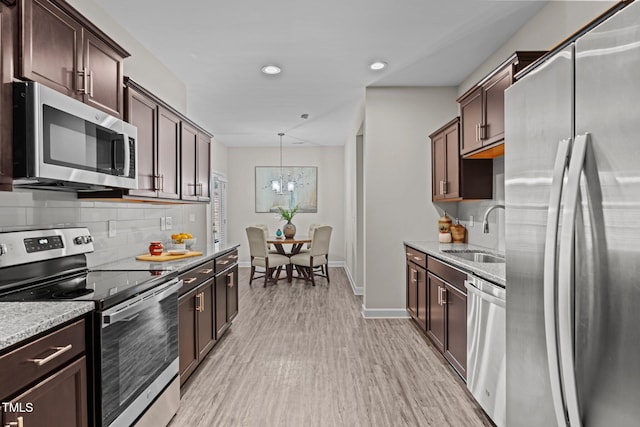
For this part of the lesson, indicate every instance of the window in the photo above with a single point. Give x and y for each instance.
(219, 210)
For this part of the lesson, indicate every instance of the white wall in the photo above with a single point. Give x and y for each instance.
(397, 177)
(554, 23)
(241, 190)
(141, 66)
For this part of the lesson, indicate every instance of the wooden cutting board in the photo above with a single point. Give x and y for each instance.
(166, 256)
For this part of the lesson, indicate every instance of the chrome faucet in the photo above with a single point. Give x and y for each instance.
(485, 222)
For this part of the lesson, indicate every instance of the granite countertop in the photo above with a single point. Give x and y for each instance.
(493, 272)
(22, 320)
(183, 264)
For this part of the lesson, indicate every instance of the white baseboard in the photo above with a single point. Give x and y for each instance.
(384, 313)
(357, 290)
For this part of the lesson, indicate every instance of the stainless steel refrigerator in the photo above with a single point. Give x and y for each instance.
(572, 192)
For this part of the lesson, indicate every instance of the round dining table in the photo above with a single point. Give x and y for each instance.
(296, 245)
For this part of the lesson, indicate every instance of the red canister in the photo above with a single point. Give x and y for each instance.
(155, 248)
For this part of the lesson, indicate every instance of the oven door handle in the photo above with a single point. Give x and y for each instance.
(119, 314)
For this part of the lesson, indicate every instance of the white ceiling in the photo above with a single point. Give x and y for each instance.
(323, 47)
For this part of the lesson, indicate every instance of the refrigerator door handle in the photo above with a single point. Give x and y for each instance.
(566, 279)
(549, 287)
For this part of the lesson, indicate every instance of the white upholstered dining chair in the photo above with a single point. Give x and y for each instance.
(261, 257)
(317, 255)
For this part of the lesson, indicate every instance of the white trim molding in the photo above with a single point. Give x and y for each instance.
(357, 290)
(384, 313)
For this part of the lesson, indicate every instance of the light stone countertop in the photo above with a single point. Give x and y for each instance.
(22, 320)
(493, 272)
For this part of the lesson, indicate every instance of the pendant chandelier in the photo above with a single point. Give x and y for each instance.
(277, 185)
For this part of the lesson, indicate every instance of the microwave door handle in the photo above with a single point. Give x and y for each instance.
(127, 155)
(111, 317)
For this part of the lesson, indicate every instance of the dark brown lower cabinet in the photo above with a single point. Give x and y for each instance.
(196, 320)
(437, 302)
(59, 400)
(436, 325)
(206, 307)
(43, 382)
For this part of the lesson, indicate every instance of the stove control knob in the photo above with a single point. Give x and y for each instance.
(89, 238)
(3, 249)
(78, 240)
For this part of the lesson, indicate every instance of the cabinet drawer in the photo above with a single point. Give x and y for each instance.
(226, 261)
(416, 257)
(36, 359)
(196, 276)
(449, 274)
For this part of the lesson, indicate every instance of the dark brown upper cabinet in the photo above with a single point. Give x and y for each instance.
(455, 178)
(195, 169)
(61, 49)
(482, 109)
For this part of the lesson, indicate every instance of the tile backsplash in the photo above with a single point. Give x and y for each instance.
(136, 224)
(495, 239)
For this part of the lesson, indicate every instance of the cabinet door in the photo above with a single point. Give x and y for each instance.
(221, 304)
(439, 166)
(232, 294)
(143, 114)
(50, 50)
(456, 329)
(188, 346)
(412, 290)
(422, 298)
(493, 130)
(104, 75)
(471, 118)
(451, 142)
(189, 142)
(206, 320)
(6, 136)
(60, 400)
(203, 170)
(435, 314)
(168, 154)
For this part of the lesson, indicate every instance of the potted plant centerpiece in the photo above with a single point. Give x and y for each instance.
(289, 229)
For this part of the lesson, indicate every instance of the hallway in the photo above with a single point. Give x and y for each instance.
(298, 355)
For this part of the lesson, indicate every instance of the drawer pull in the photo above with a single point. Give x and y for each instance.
(226, 261)
(230, 281)
(189, 280)
(233, 256)
(206, 270)
(50, 357)
(18, 423)
(417, 258)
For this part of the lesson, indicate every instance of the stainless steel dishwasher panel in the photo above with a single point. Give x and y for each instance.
(486, 346)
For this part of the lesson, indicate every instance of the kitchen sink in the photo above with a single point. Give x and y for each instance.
(476, 256)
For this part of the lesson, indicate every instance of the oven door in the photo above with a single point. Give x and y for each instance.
(138, 353)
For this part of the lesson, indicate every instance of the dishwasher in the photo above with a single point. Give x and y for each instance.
(486, 346)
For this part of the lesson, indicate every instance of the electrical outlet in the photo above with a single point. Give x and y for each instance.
(163, 224)
(112, 228)
(192, 217)
(168, 223)
(471, 221)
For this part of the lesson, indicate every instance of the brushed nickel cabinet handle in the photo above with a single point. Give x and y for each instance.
(230, 281)
(18, 423)
(59, 351)
(225, 262)
(443, 297)
(206, 270)
(233, 256)
(189, 280)
(202, 303)
(417, 258)
(83, 74)
(91, 84)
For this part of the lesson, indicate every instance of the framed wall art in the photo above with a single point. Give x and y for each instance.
(299, 187)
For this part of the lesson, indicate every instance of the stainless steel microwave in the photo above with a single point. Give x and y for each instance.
(59, 142)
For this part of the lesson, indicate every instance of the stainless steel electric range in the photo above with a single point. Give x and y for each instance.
(135, 324)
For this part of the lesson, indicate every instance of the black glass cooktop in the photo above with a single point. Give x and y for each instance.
(106, 288)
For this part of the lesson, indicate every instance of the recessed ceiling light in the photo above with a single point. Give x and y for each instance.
(271, 69)
(378, 65)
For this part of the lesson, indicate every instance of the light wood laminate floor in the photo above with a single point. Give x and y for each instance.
(298, 355)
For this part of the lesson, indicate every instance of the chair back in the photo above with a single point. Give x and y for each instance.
(312, 228)
(321, 239)
(265, 227)
(257, 242)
